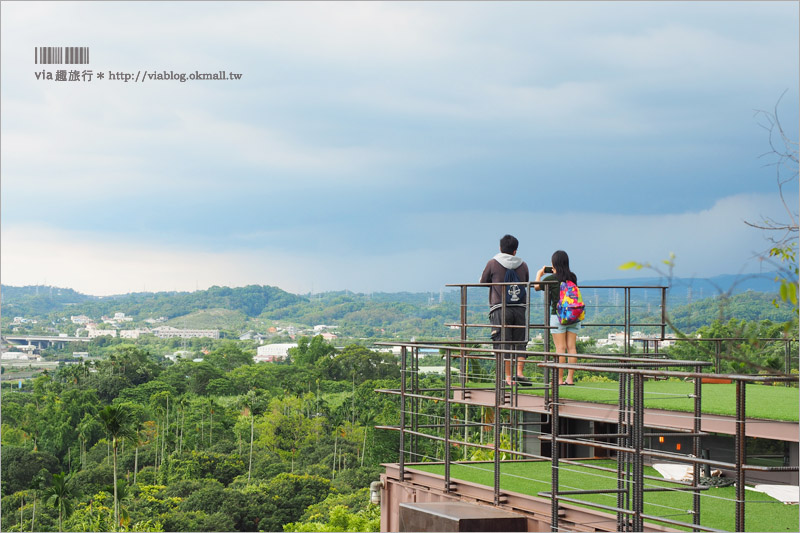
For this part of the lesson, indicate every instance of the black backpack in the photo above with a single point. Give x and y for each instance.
(515, 294)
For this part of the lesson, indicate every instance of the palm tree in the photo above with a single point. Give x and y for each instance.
(124, 494)
(251, 402)
(119, 424)
(60, 494)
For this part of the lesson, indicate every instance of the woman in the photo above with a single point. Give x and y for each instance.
(564, 336)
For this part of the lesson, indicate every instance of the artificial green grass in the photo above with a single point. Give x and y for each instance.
(762, 512)
(762, 401)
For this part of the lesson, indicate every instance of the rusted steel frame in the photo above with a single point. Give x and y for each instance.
(437, 344)
(463, 402)
(463, 334)
(730, 466)
(621, 360)
(628, 330)
(596, 435)
(670, 373)
(411, 394)
(403, 355)
(679, 523)
(676, 457)
(447, 378)
(687, 488)
(460, 442)
(697, 445)
(554, 282)
(620, 510)
(415, 401)
(612, 358)
(757, 468)
(555, 454)
(597, 505)
(638, 444)
(678, 434)
(533, 507)
(498, 390)
(664, 455)
(616, 324)
(655, 363)
(547, 354)
(715, 339)
(606, 469)
(480, 325)
(623, 461)
(473, 425)
(546, 494)
(740, 451)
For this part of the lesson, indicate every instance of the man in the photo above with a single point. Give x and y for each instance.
(516, 301)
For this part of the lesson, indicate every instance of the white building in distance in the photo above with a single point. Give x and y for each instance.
(94, 332)
(133, 333)
(269, 353)
(168, 332)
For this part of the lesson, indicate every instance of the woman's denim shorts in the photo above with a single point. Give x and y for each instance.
(561, 328)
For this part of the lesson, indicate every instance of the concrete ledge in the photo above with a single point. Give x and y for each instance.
(458, 516)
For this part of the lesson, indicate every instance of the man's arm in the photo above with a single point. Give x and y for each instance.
(486, 277)
(525, 274)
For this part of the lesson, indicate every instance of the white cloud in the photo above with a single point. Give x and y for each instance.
(103, 264)
(422, 99)
(706, 243)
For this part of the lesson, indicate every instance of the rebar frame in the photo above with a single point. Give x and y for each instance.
(630, 437)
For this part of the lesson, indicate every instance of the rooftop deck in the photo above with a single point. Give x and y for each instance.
(516, 446)
(524, 482)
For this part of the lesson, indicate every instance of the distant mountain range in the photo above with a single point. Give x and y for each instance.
(680, 287)
(378, 314)
(682, 290)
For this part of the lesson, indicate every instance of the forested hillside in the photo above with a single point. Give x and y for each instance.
(129, 440)
(368, 316)
(218, 445)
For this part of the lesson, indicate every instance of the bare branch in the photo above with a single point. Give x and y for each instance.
(784, 152)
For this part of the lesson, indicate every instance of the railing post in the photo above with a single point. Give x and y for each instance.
(628, 341)
(402, 466)
(697, 445)
(623, 476)
(638, 445)
(498, 396)
(546, 371)
(554, 455)
(447, 379)
(464, 367)
(415, 402)
(663, 312)
(741, 452)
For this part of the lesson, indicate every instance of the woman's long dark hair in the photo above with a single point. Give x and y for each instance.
(560, 262)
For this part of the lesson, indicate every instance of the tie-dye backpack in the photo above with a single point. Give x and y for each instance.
(570, 308)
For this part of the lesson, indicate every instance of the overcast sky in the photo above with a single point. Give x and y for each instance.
(387, 146)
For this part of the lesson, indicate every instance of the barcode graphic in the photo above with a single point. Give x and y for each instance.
(57, 55)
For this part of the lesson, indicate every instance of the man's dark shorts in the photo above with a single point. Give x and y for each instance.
(515, 316)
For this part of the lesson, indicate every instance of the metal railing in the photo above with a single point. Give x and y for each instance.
(627, 444)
